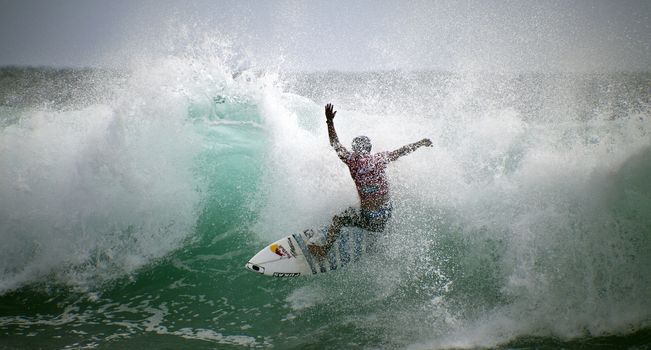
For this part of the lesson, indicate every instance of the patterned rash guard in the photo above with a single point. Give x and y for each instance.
(368, 172)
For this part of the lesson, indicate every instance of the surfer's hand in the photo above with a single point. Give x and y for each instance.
(425, 142)
(330, 114)
(317, 250)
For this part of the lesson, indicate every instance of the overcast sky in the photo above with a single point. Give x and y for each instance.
(335, 35)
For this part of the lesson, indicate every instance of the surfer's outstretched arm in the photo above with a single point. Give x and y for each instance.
(342, 152)
(404, 150)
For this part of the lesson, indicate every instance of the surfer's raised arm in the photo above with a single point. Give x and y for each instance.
(404, 150)
(342, 152)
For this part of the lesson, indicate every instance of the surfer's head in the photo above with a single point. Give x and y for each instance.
(361, 144)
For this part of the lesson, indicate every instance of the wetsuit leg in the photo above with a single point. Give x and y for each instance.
(349, 217)
(375, 220)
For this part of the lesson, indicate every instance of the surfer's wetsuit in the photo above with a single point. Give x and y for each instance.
(368, 172)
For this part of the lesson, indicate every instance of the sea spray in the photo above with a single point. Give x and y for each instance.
(91, 193)
(528, 217)
(523, 221)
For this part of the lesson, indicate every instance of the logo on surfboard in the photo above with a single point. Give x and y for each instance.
(292, 249)
(279, 250)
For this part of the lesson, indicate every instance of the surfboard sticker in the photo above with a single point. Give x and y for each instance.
(308, 256)
(279, 250)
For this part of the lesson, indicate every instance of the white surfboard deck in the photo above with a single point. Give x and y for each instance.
(289, 256)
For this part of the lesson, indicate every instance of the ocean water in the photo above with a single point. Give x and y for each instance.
(130, 201)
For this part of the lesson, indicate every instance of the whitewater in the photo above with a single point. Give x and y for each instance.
(130, 201)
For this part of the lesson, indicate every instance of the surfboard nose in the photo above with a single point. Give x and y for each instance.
(255, 268)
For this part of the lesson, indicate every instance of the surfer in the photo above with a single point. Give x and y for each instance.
(368, 172)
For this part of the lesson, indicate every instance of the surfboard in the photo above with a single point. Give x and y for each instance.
(289, 256)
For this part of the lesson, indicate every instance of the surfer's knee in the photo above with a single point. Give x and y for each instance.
(338, 220)
(348, 217)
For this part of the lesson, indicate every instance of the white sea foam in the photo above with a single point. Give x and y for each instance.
(91, 194)
(516, 223)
